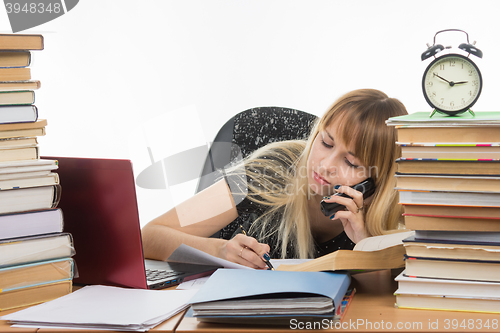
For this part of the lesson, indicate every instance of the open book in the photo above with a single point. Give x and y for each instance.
(372, 253)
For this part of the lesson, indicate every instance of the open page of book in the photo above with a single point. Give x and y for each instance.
(382, 242)
(277, 262)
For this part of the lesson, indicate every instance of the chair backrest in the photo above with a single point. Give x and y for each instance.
(250, 130)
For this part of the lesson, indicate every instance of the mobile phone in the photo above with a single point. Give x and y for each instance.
(367, 187)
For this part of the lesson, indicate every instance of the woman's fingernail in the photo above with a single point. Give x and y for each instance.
(327, 198)
(337, 187)
(332, 217)
(266, 257)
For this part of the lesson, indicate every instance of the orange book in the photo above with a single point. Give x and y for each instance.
(34, 295)
(15, 74)
(19, 85)
(449, 167)
(447, 222)
(21, 42)
(15, 58)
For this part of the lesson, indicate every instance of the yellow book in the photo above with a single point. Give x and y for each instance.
(38, 273)
(34, 295)
(15, 74)
(15, 58)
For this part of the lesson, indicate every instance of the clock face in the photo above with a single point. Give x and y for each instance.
(452, 84)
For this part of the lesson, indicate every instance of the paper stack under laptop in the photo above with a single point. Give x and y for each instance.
(103, 307)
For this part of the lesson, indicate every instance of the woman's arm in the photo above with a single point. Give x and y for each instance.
(194, 221)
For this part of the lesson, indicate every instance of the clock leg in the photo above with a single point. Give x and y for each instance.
(432, 113)
(472, 112)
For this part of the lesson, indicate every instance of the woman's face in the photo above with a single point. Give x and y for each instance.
(331, 163)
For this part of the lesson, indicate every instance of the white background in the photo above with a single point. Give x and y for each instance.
(120, 76)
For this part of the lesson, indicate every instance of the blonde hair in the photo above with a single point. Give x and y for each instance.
(274, 178)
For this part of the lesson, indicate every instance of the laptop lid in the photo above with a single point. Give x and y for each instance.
(99, 206)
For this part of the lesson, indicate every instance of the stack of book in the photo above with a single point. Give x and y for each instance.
(35, 254)
(449, 184)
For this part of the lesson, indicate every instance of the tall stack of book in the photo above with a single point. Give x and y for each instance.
(35, 254)
(449, 184)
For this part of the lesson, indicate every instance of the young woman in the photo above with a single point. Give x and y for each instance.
(276, 192)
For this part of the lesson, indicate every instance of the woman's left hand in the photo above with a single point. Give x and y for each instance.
(353, 219)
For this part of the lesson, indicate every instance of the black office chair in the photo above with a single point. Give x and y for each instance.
(248, 131)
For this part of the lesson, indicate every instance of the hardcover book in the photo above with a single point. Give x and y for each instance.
(449, 134)
(31, 180)
(17, 97)
(35, 274)
(450, 151)
(18, 114)
(17, 251)
(21, 42)
(15, 74)
(446, 287)
(451, 249)
(448, 183)
(446, 222)
(34, 295)
(29, 198)
(450, 198)
(19, 154)
(31, 223)
(464, 128)
(18, 143)
(445, 268)
(449, 167)
(15, 58)
(459, 211)
(422, 119)
(19, 85)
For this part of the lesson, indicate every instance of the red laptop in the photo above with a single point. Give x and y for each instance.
(99, 207)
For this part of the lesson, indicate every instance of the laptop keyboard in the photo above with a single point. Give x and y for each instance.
(158, 274)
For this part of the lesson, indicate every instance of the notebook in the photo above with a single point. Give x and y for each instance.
(99, 206)
(269, 297)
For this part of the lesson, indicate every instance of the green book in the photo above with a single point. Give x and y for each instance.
(438, 119)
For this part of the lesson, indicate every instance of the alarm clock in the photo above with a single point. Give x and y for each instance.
(452, 83)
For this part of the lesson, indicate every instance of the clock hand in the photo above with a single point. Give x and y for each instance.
(442, 78)
(451, 83)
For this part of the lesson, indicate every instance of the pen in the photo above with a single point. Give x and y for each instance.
(266, 258)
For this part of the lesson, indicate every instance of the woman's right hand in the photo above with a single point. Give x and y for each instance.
(245, 250)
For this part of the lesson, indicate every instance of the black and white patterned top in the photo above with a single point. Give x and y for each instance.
(277, 124)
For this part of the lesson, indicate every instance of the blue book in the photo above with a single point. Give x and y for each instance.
(241, 296)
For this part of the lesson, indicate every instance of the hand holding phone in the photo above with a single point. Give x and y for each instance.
(367, 187)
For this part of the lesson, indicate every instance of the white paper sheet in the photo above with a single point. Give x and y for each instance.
(103, 307)
(193, 284)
